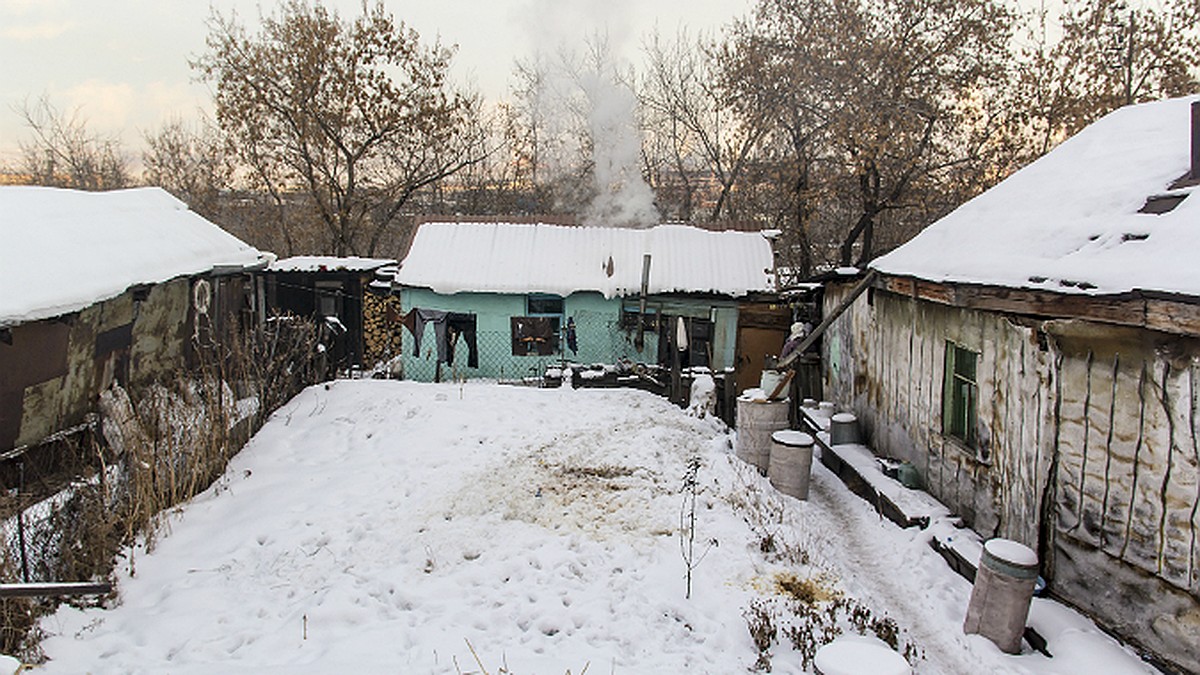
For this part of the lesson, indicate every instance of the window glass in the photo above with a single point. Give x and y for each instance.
(538, 304)
(960, 394)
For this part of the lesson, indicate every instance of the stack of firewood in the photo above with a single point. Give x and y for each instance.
(381, 327)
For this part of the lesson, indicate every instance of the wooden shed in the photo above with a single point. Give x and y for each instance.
(361, 326)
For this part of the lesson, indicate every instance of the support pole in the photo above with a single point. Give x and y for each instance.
(640, 341)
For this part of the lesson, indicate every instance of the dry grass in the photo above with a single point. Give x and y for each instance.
(801, 603)
(165, 442)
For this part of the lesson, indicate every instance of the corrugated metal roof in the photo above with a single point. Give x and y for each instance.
(539, 258)
(64, 250)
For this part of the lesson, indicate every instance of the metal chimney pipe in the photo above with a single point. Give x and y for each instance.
(1195, 172)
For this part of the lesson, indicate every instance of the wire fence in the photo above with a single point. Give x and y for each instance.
(599, 338)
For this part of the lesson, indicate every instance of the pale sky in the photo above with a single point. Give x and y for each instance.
(124, 63)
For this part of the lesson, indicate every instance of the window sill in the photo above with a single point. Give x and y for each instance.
(962, 447)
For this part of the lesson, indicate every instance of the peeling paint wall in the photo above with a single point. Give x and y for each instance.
(1093, 425)
(1128, 490)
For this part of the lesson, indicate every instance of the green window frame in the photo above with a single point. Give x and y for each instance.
(960, 394)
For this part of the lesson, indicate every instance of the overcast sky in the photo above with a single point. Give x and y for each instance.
(124, 63)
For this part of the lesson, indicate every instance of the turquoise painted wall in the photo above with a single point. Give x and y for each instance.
(600, 336)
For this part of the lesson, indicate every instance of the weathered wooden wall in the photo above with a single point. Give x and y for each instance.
(886, 360)
(140, 336)
(1088, 448)
(1128, 491)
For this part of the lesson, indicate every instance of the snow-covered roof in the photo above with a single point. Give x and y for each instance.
(312, 263)
(1069, 222)
(64, 250)
(539, 258)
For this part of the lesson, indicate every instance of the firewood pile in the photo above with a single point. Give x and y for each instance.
(381, 327)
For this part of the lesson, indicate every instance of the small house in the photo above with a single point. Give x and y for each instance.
(1035, 355)
(530, 295)
(360, 321)
(97, 288)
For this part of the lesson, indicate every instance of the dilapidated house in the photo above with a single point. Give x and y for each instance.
(1036, 355)
(99, 288)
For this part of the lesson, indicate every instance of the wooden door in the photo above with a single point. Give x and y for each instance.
(762, 329)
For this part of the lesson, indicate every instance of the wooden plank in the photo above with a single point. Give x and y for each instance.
(807, 342)
(39, 590)
(1173, 317)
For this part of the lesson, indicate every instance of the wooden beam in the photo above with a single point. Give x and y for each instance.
(1179, 315)
(863, 284)
(39, 590)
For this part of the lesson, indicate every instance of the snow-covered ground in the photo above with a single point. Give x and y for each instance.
(396, 527)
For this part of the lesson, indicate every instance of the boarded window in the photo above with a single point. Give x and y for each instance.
(960, 394)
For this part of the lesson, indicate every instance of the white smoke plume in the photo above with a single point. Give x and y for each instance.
(583, 91)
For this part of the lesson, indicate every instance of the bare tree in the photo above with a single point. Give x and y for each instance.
(354, 116)
(707, 137)
(1098, 55)
(190, 163)
(63, 152)
(881, 96)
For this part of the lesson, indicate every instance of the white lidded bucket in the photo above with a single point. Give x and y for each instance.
(790, 464)
(770, 380)
(757, 419)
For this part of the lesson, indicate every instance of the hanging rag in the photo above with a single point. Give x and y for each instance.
(572, 340)
(458, 324)
(419, 318)
(681, 335)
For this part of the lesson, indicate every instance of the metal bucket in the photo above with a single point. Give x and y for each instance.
(1002, 593)
(843, 429)
(790, 465)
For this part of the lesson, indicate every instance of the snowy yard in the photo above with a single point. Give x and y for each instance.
(378, 526)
